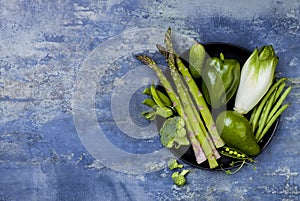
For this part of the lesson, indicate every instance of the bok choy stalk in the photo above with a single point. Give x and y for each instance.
(256, 78)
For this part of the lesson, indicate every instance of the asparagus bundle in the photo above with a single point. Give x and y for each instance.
(189, 103)
(200, 157)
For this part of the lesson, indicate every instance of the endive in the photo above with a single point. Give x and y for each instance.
(256, 78)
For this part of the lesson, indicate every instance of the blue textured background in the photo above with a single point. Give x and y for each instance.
(42, 47)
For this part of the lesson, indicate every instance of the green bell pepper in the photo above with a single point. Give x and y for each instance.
(220, 80)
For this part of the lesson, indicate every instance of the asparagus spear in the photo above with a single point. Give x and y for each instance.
(199, 120)
(190, 117)
(198, 97)
(204, 141)
(199, 154)
(202, 106)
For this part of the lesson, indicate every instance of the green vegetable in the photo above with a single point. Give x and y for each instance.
(179, 177)
(236, 131)
(258, 109)
(160, 104)
(160, 99)
(173, 164)
(197, 60)
(190, 113)
(199, 155)
(149, 115)
(156, 110)
(204, 143)
(233, 153)
(269, 109)
(149, 102)
(256, 78)
(201, 105)
(147, 91)
(220, 80)
(164, 111)
(173, 133)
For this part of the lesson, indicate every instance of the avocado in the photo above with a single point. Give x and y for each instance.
(236, 131)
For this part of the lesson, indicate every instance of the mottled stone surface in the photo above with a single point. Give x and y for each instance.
(46, 45)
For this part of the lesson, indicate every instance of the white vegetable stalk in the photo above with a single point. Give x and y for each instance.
(256, 78)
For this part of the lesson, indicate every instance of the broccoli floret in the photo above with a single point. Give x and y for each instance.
(179, 178)
(173, 133)
(173, 164)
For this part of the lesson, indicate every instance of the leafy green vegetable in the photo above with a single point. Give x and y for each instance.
(256, 78)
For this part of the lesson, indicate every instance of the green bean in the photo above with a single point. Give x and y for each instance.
(279, 102)
(272, 120)
(265, 115)
(279, 90)
(252, 115)
(264, 100)
(255, 117)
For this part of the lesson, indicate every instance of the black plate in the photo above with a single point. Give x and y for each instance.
(186, 154)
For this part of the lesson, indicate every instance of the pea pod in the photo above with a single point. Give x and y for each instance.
(149, 102)
(147, 91)
(164, 111)
(149, 115)
(220, 80)
(159, 97)
(156, 110)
